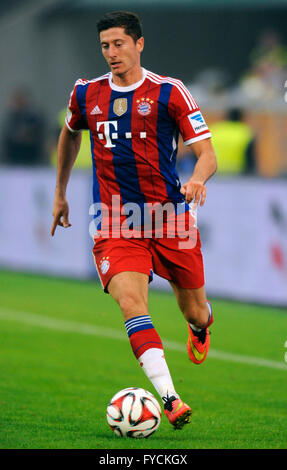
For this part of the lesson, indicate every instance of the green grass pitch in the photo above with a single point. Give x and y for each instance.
(64, 353)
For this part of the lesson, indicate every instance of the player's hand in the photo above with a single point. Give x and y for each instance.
(194, 191)
(60, 214)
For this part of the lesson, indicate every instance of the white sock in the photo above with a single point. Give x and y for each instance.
(156, 369)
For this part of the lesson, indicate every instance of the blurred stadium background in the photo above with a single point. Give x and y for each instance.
(233, 58)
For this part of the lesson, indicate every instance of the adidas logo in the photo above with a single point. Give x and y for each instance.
(96, 110)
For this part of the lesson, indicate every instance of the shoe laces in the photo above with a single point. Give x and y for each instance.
(168, 402)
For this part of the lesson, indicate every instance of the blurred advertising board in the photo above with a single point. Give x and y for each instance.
(26, 202)
(243, 228)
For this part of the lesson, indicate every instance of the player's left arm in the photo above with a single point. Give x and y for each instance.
(195, 189)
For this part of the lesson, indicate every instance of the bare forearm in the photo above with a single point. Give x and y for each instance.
(205, 167)
(68, 148)
(194, 189)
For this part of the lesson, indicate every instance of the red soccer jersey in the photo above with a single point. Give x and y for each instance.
(134, 134)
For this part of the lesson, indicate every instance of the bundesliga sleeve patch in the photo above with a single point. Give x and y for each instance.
(197, 121)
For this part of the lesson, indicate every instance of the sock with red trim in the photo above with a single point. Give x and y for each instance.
(148, 349)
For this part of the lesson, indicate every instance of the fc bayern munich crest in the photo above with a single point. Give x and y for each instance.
(104, 265)
(144, 106)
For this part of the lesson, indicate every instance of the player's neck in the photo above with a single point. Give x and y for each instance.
(128, 78)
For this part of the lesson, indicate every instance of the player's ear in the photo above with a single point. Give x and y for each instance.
(140, 44)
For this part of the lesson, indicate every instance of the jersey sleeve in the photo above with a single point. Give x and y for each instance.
(186, 113)
(75, 117)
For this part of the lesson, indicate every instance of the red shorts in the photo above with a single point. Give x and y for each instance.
(162, 256)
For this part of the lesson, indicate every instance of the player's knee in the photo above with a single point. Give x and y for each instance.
(132, 304)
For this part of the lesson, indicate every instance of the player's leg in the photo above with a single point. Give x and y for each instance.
(183, 267)
(193, 304)
(130, 291)
(198, 313)
(118, 263)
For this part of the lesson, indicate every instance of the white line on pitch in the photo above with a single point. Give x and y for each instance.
(51, 323)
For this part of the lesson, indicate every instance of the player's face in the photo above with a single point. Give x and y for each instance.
(120, 51)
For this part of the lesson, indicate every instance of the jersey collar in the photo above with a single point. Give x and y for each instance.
(127, 88)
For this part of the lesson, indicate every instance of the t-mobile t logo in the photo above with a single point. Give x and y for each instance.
(109, 132)
(106, 133)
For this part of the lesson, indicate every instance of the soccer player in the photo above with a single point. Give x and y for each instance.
(134, 117)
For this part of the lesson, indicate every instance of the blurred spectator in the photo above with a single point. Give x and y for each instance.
(84, 158)
(268, 68)
(233, 141)
(23, 132)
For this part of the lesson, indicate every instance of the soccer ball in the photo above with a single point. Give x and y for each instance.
(133, 412)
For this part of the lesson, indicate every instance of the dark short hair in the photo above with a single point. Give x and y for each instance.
(122, 19)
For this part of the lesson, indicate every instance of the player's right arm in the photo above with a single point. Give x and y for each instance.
(68, 148)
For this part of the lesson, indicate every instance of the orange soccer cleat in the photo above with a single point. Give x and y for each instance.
(177, 412)
(198, 343)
